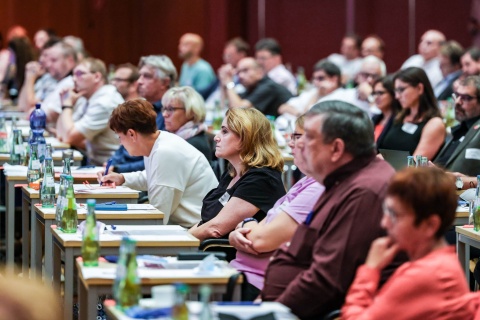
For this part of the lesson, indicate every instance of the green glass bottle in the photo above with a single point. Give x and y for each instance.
(127, 286)
(90, 243)
(17, 150)
(69, 215)
(33, 173)
(47, 191)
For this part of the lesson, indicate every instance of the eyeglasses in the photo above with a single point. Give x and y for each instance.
(295, 136)
(367, 75)
(319, 78)
(392, 214)
(463, 97)
(378, 93)
(80, 73)
(170, 110)
(400, 90)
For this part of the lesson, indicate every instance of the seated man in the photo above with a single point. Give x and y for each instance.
(312, 273)
(349, 60)
(261, 92)
(94, 101)
(450, 54)
(125, 80)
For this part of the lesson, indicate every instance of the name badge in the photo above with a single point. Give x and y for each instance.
(224, 199)
(472, 153)
(409, 127)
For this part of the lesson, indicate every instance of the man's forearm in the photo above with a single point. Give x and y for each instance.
(234, 100)
(26, 98)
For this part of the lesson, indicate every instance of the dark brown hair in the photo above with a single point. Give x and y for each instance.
(136, 114)
(426, 191)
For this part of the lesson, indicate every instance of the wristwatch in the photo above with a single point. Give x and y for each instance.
(248, 220)
(67, 107)
(459, 183)
(230, 85)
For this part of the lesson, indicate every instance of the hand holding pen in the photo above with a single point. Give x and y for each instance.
(109, 163)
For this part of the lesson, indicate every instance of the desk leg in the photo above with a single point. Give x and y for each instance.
(68, 291)
(88, 299)
(48, 252)
(25, 237)
(10, 226)
(463, 250)
(57, 267)
(37, 243)
(82, 300)
(30, 216)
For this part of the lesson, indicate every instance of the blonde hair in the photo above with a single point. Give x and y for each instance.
(191, 100)
(258, 147)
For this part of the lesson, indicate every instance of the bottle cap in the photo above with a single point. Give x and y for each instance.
(91, 202)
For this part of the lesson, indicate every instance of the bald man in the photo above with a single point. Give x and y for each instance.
(261, 91)
(373, 45)
(195, 72)
(427, 57)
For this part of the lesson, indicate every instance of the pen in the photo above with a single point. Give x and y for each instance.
(109, 163)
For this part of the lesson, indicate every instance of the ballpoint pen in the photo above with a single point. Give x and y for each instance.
(109, 163)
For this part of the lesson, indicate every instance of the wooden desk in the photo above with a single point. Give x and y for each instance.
(466, 237)
(45, 217)
(16, 179)
(95, 281)
(56, 156)
(30, 198)
(158, 240)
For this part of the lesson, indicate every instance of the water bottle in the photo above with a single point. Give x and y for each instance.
(410, 162)
(69, 216)
(33, 173)
(47, 190)
(38, 122)
(17, 150)
(180, 310)
(90, 243)
(3, 136)
(127, 283)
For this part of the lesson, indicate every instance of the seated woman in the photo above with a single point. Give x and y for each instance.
(419, 207)
(256, 241)
(419, 127)
(177, 176)
(252, 184)
(384, 95)
(184, 112)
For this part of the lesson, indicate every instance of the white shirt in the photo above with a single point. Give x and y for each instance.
(52, 101)
(91, 119)
(350, 96)
(431, 67)
(177, 177)
(283, 77)
(349, 68)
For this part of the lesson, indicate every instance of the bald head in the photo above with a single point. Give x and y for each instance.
(190, 46)
(249, 72)
(373, 46)
(429, 46)
(16, 32)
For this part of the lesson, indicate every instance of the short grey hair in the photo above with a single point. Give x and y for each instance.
(342, 120)
(379, 62)
(472, 81)
(163, 65)
(191, 100)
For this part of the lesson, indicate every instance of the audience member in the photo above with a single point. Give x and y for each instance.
(349, 61)
(427, 57)
(459, 154)
(184, 113)
(311, 273)
(261, 92)
(157, 75)
(42, 36)
(373, 45)
(77, 44)
(94, 100)
(125, 80)
(177, 176)
(450, 54)
(61, 61)
(384, 95)
(235, 50)
(268, 54)
(326, 79)
(38, 82)
(371, 69)
(255, 240)
(471, 62)
(419, 127)
(419, 207)
(195, 72)
(253, 182)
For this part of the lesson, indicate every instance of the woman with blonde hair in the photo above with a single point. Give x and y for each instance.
(252, 184)
(184, 113)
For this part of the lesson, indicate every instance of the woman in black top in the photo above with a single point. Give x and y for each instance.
(384, 95)
(419, 127)
(253, 182)
(184, 112)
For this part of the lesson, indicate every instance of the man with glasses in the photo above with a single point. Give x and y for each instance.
(86, 127)
(312, 273)
(157, 74)
(462, 152)
(125, 80)
(261, 92)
